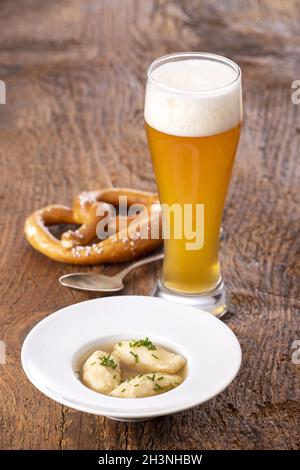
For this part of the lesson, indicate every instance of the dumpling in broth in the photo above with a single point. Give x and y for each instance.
(146, 385)
(101, 372)
(144, 356)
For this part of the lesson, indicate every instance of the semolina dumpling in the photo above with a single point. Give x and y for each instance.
(101, 372)
(146, 385)
(144, 356)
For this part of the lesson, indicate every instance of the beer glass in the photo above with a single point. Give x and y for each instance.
(193, 114)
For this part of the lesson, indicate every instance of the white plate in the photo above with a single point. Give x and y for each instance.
(51, 351)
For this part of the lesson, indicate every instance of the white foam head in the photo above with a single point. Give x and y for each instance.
(193, 97)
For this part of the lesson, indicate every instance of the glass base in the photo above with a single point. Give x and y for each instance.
(214, 302)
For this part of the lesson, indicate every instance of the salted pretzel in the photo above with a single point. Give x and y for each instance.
(125, 242)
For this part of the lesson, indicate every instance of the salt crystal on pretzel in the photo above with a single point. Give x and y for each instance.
(78, 246)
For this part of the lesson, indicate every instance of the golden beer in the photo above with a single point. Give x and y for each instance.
(193, 113)
(193, 170)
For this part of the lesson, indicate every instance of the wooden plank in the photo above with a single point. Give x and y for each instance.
(75, 74)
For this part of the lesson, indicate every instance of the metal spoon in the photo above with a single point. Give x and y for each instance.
(100, 282)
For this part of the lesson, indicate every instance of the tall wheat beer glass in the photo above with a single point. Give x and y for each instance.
(193, 113)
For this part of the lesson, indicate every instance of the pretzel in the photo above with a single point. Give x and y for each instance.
(124, 243)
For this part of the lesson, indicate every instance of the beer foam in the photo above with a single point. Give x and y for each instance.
(196, 98)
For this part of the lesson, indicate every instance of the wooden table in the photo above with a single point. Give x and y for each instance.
(75, 76)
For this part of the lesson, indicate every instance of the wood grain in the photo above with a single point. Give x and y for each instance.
(75, 75)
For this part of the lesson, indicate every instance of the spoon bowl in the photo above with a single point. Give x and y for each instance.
(92, 282)
(99, 282)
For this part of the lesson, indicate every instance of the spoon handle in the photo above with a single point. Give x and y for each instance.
(149, 259)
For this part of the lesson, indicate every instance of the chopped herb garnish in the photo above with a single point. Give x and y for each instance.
(114, 376)
(136, 357)
(93, 363)
(120, 343)
(123, 390)
(154, 356)
(160, 378)
(107, 361)
(137, 385)
(143, 342)
(157, 387)
(151, 378)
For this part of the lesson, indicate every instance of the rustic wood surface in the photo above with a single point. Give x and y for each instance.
(75, 75)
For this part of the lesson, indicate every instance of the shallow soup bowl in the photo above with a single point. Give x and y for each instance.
(53, 351)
